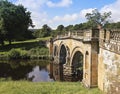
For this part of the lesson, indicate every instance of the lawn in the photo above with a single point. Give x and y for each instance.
(26, 45)
(24, 87)
(33, 48)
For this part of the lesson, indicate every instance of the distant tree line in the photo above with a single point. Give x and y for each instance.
(61, 29)
(95, 20)
(15, 21)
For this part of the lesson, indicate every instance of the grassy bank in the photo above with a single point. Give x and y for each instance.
(23, 87)
(32, 49)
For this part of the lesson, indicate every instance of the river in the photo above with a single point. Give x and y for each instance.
(31, 70)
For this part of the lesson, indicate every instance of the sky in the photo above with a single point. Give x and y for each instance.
(67, 12)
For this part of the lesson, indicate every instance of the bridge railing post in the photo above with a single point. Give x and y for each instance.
(87, 35)
(69, 34)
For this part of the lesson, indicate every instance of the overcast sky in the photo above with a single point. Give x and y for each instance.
(67, 12)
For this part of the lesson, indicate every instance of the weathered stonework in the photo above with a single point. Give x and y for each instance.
(109, 72)
(109, 62)
(100, 63)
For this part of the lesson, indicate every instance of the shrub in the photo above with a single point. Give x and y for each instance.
(32, 51)
(24, 55)
(43, 51)
(14, 54)
(39, 51)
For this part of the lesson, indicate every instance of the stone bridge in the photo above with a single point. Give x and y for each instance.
(90, 56)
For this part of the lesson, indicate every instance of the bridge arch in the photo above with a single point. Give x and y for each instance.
(62, 54)
(77, 63)
(78, 48)
(62, 58)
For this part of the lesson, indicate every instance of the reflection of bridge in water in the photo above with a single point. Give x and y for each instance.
(89, 56)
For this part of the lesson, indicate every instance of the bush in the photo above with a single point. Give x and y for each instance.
(43, 51)
(39, 51)
(24, 55)
(14, 54)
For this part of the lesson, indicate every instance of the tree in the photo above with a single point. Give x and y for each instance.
(45, 31)
(60, 29)
(14, 20)
(113, 25)
(77, 27)
(97, 19)
(69, 28)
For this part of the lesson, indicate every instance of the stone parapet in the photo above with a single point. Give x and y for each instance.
(110, 45)
(84, 35)
(110, 40)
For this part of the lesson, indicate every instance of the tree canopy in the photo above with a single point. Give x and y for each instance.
(98, 19)
(14, 21)
(45, 31)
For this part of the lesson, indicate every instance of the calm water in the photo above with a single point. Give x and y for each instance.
(25, 70)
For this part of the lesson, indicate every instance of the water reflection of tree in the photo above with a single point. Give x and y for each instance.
(17, 70)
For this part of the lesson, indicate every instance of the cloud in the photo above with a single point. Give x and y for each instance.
(68, 19)
(84, 11)
(114, 9)
(38, 16)
(41, 17)
(62, 3)
(32, 4)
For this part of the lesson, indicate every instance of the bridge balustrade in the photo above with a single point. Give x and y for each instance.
(111, 41)
(115, 35)
(86, 35)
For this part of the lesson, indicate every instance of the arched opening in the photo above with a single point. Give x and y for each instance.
(77, 63)
(55, 51)
(63, 54)
(62, 60)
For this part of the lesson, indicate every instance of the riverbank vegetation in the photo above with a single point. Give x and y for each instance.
(29, 49)
(24, 87)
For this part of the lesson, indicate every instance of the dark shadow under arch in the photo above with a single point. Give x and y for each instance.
(63, 54)
(77, 64)
(62, 60)
(55, 51)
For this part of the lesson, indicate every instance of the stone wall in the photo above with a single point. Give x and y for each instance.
(101, 58)
(109, 61)
(109, 72)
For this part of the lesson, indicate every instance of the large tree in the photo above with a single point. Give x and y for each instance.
(97, 19)
(14, 21)
(60, 29)
(45, 31)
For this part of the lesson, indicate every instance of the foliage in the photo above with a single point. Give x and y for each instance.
(33, 53)
(60, 29)
(37, 33)
(24, 87)
(82, 26)
(113, 25)
(26, 49)
(14, 54)
(39, 51)
(14, 21)
(97, 19)
(45, 31)
(24, 54)
(69, 28)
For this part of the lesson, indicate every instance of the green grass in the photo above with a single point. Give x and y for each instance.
(24, 87)
(28, 46)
